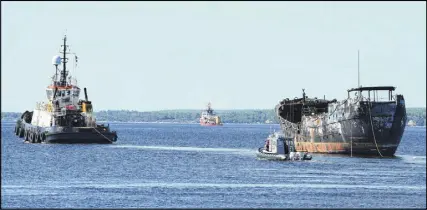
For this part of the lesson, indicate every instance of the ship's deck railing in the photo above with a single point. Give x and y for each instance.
(374, 99)
(44, 106)
(381, 93)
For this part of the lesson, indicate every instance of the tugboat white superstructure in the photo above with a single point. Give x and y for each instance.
(64, 118)
(208, 118)
(278, 147)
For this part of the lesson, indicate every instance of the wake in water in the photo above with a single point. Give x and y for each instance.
(216, 185)
(413, 159)
(191, 149)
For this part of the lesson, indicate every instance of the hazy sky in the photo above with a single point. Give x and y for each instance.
(180, 55)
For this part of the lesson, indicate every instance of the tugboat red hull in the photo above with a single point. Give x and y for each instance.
(209, 124)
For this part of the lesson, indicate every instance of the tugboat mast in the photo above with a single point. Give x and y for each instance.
(209, 110)
(63, 80)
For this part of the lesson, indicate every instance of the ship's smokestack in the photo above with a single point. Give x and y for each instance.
(54, 93)
(86, 94)
(303, 95)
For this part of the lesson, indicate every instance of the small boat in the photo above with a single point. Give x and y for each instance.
(278, 147)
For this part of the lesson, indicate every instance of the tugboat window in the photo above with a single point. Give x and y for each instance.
(49, 94)
(76, 93)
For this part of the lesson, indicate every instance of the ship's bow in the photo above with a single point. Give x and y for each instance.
(395, 132)
(380, 130)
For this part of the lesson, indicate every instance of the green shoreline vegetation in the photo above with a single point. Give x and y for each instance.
(416, 116)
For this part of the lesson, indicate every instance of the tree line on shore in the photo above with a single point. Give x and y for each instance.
(416, 115)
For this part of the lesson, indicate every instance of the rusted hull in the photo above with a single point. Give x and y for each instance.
(348, 127)
(346, 148)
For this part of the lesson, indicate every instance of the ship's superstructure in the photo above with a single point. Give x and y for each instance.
(208, 118)
(365, 123)
(63, 118)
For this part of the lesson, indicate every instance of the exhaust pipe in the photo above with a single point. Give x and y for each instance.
(54, 93)
(86, 94)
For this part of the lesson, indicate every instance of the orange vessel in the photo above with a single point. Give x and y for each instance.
(208, 118)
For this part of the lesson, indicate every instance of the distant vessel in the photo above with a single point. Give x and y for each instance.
(277, 147)
(208, 118)
(64, 118)
(412, 123)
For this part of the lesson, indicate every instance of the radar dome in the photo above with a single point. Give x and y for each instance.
(56, 60)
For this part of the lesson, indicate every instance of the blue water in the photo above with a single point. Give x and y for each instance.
(189, 166)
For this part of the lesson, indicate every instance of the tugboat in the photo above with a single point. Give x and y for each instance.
(208, 118)
(64, 119)
(278, 147)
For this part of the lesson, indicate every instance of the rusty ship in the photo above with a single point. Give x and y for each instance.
(362, 124)
(209, 118)
(63, 118)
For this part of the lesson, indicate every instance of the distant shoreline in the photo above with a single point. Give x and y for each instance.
(187, 123)
(248, 116)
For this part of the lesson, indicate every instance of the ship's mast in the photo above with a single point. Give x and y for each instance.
(56, 74)
(63, 80)
(209, 110)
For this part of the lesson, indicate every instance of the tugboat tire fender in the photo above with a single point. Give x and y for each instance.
(21, 132)
(41, 137)
(23, 115)
(35, 137)
(31, 137)
(38, 137)
(26, 135)
(27, 116)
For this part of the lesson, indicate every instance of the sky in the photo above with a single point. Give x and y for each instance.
(148, 56)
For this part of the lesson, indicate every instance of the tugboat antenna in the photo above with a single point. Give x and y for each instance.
(63, 75)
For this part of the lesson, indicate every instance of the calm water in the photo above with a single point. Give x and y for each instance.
(185, 166)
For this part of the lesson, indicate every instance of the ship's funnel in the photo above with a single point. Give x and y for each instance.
(86, 94)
